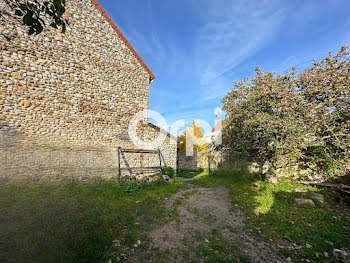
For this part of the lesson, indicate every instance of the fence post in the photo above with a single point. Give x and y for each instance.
(119, 170)
(160, 163)
(209, 164)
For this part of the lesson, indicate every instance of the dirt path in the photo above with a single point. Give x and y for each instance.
(207, 228)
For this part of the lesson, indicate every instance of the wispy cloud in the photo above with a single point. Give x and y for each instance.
(233, 33)
(198, 48)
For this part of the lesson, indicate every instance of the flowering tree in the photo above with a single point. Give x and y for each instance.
(295, 118)
(196, 132)
(325, 88)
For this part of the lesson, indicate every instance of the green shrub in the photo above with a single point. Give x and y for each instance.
(293, 118)
(169, 171)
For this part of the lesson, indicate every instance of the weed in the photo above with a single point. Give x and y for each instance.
(169, 171)
(213, 248)
(178, 201)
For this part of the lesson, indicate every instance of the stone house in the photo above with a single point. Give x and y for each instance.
(67, 99)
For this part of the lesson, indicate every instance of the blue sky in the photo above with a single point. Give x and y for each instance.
(198, 48)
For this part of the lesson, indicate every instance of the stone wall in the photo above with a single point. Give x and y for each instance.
(66, 99)
(187, 162)
(168, 152)
(22, 158)
(198, 161)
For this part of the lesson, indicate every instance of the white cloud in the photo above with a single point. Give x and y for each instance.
(233, 33)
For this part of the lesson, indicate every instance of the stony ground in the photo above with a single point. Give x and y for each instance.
(206, 228)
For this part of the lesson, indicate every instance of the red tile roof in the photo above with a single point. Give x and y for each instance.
(120, 34)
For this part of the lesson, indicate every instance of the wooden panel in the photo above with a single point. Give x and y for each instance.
(138, 151)
(140, 168)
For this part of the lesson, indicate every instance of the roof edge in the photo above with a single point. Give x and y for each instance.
(123, 38)
(161, 130)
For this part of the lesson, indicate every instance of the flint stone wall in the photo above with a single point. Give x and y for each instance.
(185, 162)
(199, 160)
(66, 99)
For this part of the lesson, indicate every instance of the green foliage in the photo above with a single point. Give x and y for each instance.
(189, 173)
(301, 118)
(77, 222)
(169, 171)
(322, 157)
(270, 210)
(35, 13)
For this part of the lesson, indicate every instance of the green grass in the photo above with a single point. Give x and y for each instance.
(211, 248)
(75, 221)
(97, 221)
(178, 201)
(188, 173)
(271, 211)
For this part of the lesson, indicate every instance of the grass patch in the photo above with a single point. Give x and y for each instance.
(221, 177)
(212, 248)
(188, 173)
(271, 211)
(75, 221)
(178, 201)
